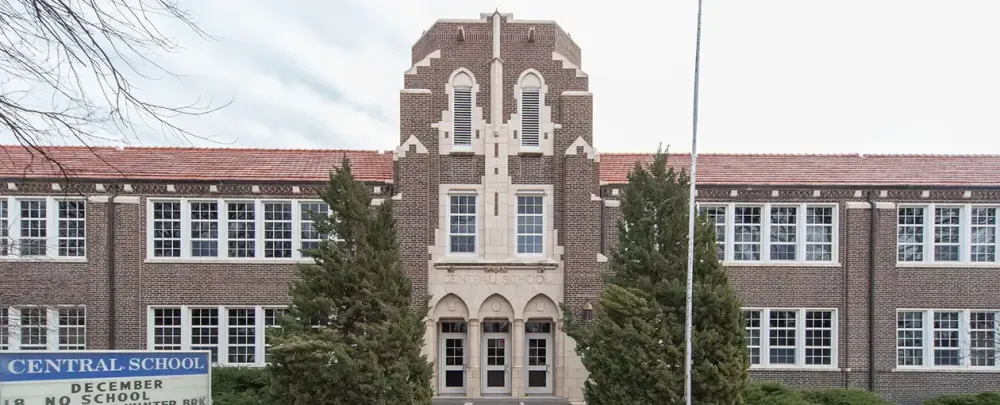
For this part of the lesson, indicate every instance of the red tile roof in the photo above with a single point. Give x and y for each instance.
(276, 165)
(153, 163)
(828, 170)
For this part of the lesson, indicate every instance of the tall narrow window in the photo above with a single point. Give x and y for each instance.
(242, 336)
(819, 234)
(716, 216)
(4, 228)
(784, 223)
(910, 234)
(947, 222)
(272, 317)
(752, 319)
(462, 224)
(167, 329)
(72, 328)
(530, 232)
(746, 233)
(205, 229)
(205, 331)
(910, 338)
(278, 229)
(33, 227)
(983, 235)
(530, 117)
(4, 330)
(946, 341)
(819, 338)
(782, 337)
(310, 235)
(166, 229)
(982, 339)
(462, 112)
(242, 229)
(72, 228)
(34, 329)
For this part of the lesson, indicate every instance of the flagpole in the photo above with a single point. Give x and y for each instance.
(689, 314)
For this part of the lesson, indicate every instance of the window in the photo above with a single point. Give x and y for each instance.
(205, 229)
(462, 224)
(166, 329)
(272, 318)
(947, 234)
(72, 328)
(783, 230)
(958, 339)
(205, 331)
(234, 335)
(166, 229)
(33, 227)
(716, 216)
(72, 228)
(983, 238)
(752, 319)
(242, 229)
(530, 117)
(58, 327)
(530, 231)
(310, 235)
(221, 229)
(774, 233)
(4, 228)
(746, 233)
(783, 338)
(462, 113)
(910, 338)
(277, 229)
(819, 234)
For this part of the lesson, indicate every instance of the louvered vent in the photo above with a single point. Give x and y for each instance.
(530, 118)
(463, 117)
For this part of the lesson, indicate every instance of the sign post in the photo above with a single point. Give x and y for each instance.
(105, 378)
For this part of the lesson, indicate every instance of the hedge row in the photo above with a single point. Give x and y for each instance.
(239, 386)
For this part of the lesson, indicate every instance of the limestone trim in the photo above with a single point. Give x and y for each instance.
(426, 61)
(531, 79)
(439, 251)
(446, 127)
(403, 148)
(566, 64)
(416, 91)
(591, 152)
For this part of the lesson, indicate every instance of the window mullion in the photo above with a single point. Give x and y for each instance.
(51, 227)
(223, 228)
(730, 228)
(258, 334)
(929, 340)
(14, 231)
(765, 233)
(296, 229)
(185, 327)
(800, 337)
(964, 340)
(800, 233)
(52, 328)
(258, 228)
(765, 337)
(14, 326)
(929, 232)
(223, 347)
(186, 244)
(965, 234)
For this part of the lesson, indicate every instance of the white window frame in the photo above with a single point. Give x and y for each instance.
(965, 236)
(52, 327)
(800, 339)
(223, 226)
(259, 326)
(51, 229)
(964, 338)
(544, 223)
(765, 250)
(477, 215)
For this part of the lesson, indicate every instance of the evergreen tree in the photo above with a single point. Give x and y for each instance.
(351, 335)
(634, 348)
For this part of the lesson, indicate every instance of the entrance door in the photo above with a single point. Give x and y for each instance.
(538, 339)
(452, 357)
(496, 357)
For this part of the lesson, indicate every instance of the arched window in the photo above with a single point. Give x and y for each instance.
(462, 109)
(530, 110)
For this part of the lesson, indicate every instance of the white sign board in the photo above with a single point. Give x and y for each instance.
(105, 378)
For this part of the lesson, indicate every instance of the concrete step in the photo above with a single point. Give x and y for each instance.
(502, 401)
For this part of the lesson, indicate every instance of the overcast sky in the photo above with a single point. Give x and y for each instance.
(778, 76)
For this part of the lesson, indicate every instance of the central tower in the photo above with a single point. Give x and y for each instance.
(494, 165)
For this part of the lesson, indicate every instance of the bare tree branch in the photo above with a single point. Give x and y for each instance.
(67, 69)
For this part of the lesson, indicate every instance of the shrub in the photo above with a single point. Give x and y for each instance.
(843, 397)
(772, 394)
(239, 386)
(986, 398)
